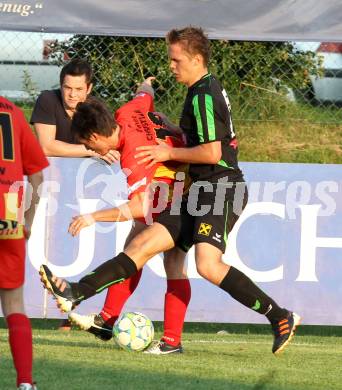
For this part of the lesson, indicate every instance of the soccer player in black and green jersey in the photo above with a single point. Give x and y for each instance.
(217, 180)
(218, 190)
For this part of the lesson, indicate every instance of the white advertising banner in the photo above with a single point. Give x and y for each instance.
(288, 240)
(265, 20)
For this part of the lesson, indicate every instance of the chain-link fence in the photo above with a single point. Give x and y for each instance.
(267, 82)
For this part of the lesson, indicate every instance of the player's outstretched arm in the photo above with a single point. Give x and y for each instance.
(149, 80)
(56, 148)
(146, 86)
(130, 210)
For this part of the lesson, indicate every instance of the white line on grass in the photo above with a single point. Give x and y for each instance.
(244, 342)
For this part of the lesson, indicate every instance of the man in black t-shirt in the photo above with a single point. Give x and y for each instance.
(52, 116)
(53, 111)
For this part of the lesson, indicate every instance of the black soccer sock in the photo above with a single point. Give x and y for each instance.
(113, 271)
(241, 288)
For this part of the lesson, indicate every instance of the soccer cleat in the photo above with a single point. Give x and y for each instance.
(27, 386)
(66, 300)
(93, 324)
(163, 348)
(284, 331)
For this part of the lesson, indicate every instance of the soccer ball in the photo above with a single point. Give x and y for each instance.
(133, 331)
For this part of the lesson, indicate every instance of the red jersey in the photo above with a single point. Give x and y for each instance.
(20, 154)
(138, 129)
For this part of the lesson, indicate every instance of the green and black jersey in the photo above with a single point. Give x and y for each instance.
(206, 118)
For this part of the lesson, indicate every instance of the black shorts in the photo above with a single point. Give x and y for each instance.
(207, 214)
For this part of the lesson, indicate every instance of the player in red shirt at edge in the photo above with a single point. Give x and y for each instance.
(20, 154)
(93, 126)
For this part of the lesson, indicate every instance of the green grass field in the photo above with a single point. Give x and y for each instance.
(239, 359)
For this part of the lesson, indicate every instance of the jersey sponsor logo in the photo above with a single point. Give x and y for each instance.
(11, 205)
(142, 124)
(10, 230)
(204, 229)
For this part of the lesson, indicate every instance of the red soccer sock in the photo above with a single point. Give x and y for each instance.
(117, 296)
(20, 339)
(177, 299)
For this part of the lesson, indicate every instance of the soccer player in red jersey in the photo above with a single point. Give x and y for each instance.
(20, 154)
(218, 187)
(95, 127)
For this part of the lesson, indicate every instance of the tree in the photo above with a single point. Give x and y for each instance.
(250, 71)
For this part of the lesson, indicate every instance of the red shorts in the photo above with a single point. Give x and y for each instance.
(12, 262)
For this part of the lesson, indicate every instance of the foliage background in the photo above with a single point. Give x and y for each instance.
(275, 114)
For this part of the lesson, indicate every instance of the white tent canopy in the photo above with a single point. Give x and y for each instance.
(266, 20)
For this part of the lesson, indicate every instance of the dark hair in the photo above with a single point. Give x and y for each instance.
(192, 39)
(77, 67)
(92, 116)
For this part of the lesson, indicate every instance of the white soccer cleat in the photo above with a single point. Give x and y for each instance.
(92, 323)
(163, 348)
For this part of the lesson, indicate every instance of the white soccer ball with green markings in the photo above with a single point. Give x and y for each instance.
(133, 331)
